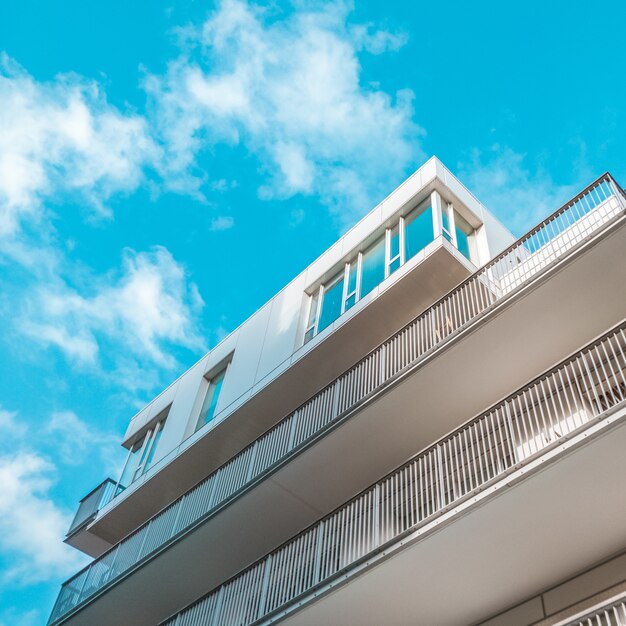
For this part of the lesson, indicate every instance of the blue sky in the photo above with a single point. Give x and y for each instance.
(166, 167)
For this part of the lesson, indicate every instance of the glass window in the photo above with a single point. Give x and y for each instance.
(418, 230)
(132, 461)
(445, 223)
(463, 232)
(394, 249)
(331, 301)
(373, 267)
(153, 447)
(207, 412)
(351, 286)
(309, 331)
(141, 454)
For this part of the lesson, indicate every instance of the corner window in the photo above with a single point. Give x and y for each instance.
(418, 230)
(399, 243)
(209, 404)
(463, 232)
(446, 231)
(141, 454)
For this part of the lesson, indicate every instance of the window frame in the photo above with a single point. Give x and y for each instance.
(356, 292)
(147, 447)
(326, 287)
(219, 370)
(444, 224)
(401, 255)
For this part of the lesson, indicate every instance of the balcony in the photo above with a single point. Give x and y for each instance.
(607, 614)
(88, 508)
(568, 234)
(353, 566)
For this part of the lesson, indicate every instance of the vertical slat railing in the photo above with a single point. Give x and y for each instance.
(582, 217)
(558, 404)
(612, 614)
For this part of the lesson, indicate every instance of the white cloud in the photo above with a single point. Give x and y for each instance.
(62, 138)
(519, 191)
(31, 523)
(290, 91)
(74, 439)
(377, 41)
(9, 425)
(222, 222)
(140, 312)
(13, 617)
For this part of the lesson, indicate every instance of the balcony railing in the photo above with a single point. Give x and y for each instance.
(91, 504)
(611, 614)
(540, 416)
(589, 213)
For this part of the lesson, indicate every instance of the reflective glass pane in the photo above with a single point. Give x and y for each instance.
(331, 302)
(210, 400)
(313, 309)
(394, 243)
(463, 230)
(352, 277)
(418, 231)
(373, 267)
(445, 221)
(155, 443)
(131, 465)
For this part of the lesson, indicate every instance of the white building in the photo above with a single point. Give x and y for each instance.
(397, 437)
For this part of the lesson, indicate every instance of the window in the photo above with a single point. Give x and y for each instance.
(446, 231)
(394, 248)
(153, 446)
(332, 301)
(463, 233)
(132, 460)
(418, 230)
(399, 243)
(141, 453)
(373, 267)
(214, 386)
(311, 326)
(352, 285)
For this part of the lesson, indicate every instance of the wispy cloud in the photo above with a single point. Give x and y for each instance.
(290, 90)
(146, 307)
(30, 521)
(61, 140)
(10, 426)
(74, 439)
(222, 222)
(517, 188)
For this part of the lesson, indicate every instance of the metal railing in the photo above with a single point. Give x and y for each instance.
(590, 212)
(613, 614)
(91, 504)
(541, 415)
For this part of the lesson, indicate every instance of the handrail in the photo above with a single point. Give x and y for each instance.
(91, 504)
(612, 613)
(556, 406)
(589, 212)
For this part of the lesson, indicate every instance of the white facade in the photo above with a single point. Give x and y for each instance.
(303, 411)
(272, 339)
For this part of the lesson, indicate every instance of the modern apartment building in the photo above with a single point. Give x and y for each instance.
(426, 426)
